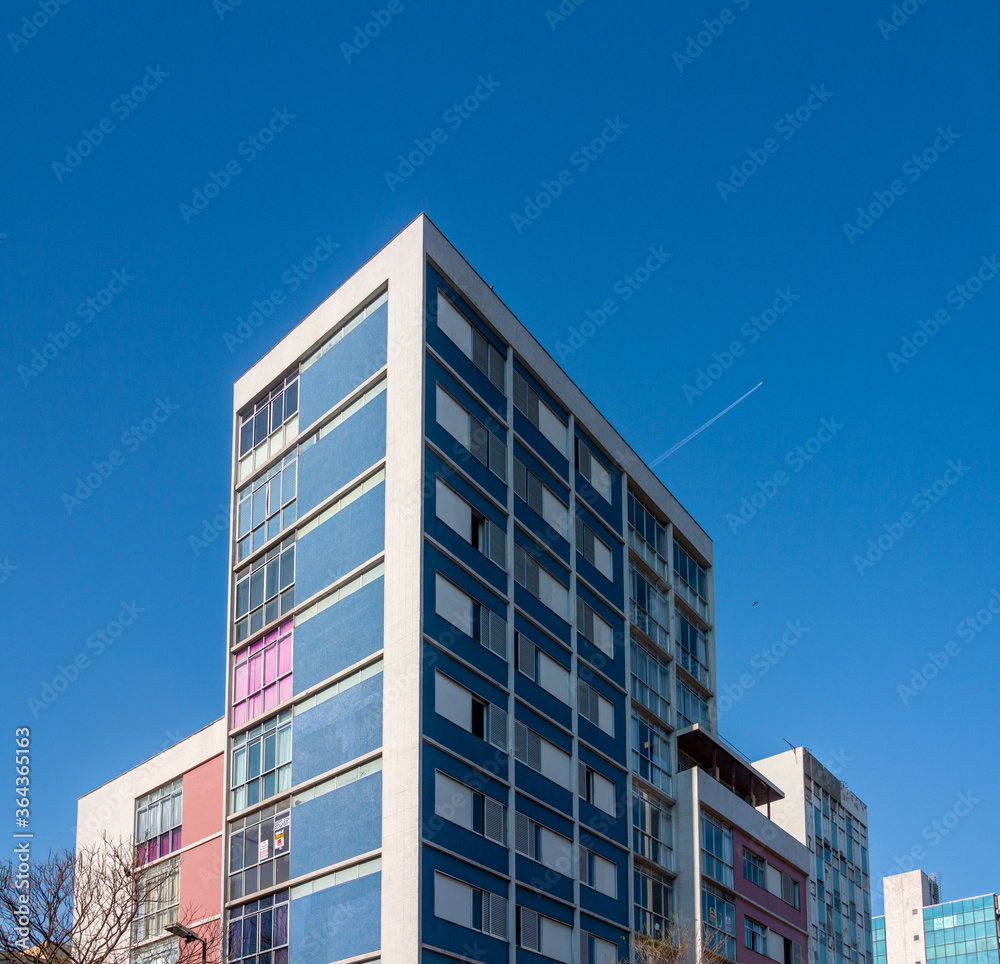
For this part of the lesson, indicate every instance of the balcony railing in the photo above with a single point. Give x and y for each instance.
(646, 624)
(695, 668)
(699, 605)
(648, 555)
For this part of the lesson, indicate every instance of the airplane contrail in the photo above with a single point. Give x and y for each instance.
(702, 428)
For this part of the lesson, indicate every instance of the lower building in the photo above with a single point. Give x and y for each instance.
(741, 879)
(917, 928)
(171, 808)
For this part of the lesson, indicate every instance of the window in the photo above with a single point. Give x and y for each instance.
(593, 470)
(528, 403)
(158, 822)
(594, 950)
(529, 488)
(470, 809)
(691, 650)
(265, 589)
(650, 752)
(598, 790)
(790, 891)
(259, 847)
(470, 340)
(468, 906)
(343, 414)
(265, 421)
(755, 936)
(470, 617)
(716, 850)
(166, 951)
(594, 549)
(537, 842)
(540, 582)
(689, 581)
(652, 904)
(262, 761)
(647, 536)
(647, 609)
(691, 708)
(650, 680)
(544, 936)
(651, 830)
(718, 915)
(479, 531)
(538, 666)
(262, 674)
(599, 873)
(346, 328)
(595, 708)
(533, 750)
(266, 507)
(486, 446)
(260, 927)
(594, 629)
(158, 899)
(754, 868)
(474, 714)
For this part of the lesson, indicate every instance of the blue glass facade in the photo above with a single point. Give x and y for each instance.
(958, 932)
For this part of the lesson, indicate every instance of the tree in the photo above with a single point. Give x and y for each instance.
(78, 908)
(681, 944)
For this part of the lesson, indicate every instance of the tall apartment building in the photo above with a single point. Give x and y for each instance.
(466, 620)
(170, 806)
(917, 928)
(820, 810)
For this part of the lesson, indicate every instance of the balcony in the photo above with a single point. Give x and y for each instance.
(691, 665)
(685, 592)
(646, 624)
(648, 555)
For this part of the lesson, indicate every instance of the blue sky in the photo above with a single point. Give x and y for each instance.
(824, 110)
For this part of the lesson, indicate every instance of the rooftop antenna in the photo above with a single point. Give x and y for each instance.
(793, 746)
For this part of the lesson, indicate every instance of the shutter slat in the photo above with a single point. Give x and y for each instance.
(526, 656)
(498, 727)
(495, 821)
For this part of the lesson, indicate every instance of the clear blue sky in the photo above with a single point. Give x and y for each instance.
(71, 219)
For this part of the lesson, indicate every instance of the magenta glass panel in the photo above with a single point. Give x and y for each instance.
(164, 844)
(240, 714)
(270, 664)
(255, 674)
(175, 839)
(285, 656)
(140, 855)
(284, 689)
(255, 706)
(270, 696)
(240, 685)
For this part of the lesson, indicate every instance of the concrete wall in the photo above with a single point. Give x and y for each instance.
(903, 894)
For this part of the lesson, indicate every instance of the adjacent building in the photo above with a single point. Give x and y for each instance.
(170, 807)
(820, 810)
(917, 928)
